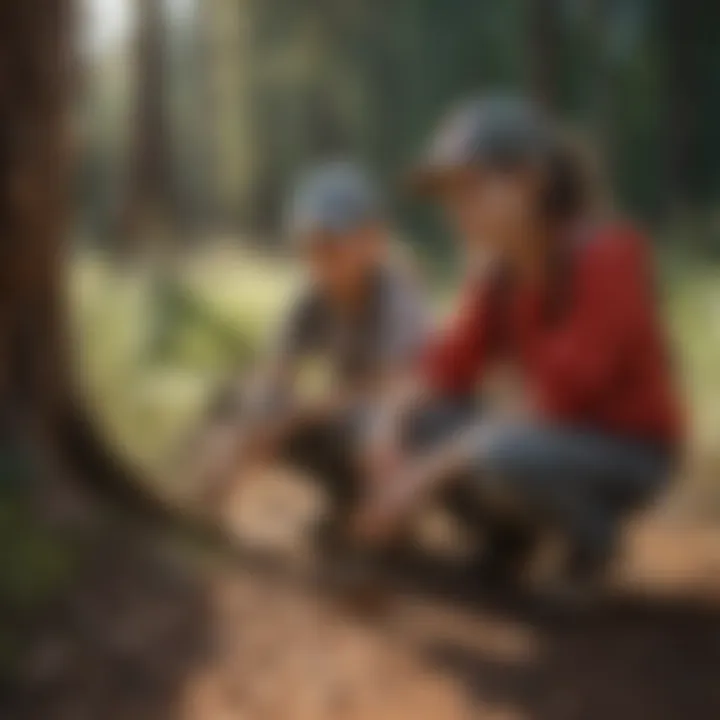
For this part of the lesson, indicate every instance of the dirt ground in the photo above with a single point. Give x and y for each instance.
(153, 634)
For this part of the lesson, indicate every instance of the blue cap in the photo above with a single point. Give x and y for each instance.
(490, 132)
(333, 198)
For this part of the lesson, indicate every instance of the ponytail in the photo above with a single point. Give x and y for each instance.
(572, 186)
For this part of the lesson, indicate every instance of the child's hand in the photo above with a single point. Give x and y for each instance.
(382, 460)
(380, 516)
(388, 505)
(382, 452)
(391, 502)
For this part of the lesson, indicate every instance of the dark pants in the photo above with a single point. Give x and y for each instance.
(581, 482)
(327, 452)
(324, 449)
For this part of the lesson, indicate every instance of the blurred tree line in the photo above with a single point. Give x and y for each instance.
(253, 90)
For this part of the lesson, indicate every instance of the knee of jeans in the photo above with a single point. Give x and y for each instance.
(499, 455)
(499, 484)
(436, 423)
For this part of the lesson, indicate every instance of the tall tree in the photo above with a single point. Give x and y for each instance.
(33, 77)
(227, 31)
(150, 196)
(543, 50)
(42, 417)
(680, 35)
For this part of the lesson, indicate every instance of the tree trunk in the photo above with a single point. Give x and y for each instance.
(33, 186)
(543, 37)
(149, 193)
(41, 415)
(602, 77)
(679, 30)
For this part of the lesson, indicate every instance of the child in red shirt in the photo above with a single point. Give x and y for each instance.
(566, 299)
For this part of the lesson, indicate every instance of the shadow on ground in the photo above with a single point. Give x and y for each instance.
(121, 645)
(649, 658)
(149, 634)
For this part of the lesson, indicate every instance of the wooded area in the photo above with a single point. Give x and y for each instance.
(227, 104)
(264, 87)
(43, 414)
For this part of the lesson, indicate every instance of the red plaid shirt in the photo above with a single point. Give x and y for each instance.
(603, 365)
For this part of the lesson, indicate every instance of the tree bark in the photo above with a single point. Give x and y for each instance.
(41, 413)
(149, 192)
(34, 72)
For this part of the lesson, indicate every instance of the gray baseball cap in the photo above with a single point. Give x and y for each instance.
(333, 198)
(492, 132)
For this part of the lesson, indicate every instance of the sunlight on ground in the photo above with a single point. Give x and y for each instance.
(150, 355)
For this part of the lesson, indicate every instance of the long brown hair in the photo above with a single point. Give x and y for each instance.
(575, 187)
(573, 203)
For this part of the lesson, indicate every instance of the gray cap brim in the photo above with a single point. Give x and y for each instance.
(432, 180)
(486, 133)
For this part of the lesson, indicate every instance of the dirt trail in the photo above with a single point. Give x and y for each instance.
(149, 637)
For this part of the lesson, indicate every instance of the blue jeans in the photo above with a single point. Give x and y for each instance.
(580, 481)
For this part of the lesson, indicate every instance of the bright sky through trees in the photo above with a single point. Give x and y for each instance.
(108, 22)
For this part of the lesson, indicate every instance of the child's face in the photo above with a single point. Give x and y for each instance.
(493, 210)
(340, 263)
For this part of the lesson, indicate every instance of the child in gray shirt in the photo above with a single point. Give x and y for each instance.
(361, 312)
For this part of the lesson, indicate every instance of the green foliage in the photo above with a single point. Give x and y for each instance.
(36, 562)
(33, 562)
(152, 354)
(373, 77)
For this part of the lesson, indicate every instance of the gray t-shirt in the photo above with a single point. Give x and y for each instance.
(387, 333)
